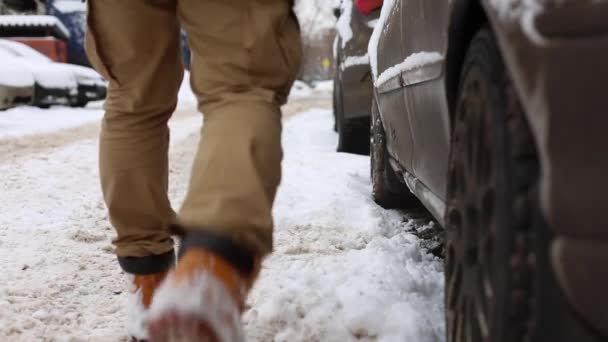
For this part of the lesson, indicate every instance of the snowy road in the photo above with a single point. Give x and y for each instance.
(343, 269)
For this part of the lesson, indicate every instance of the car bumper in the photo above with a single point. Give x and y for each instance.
(51, 96)
(13, 96)
(91, 92)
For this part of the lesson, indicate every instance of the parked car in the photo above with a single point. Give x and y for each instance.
(16, 85)
(493, 115)
(90, 85)
(53, 86)
(352, 94)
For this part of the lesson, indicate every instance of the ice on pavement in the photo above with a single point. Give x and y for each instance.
(343, 268)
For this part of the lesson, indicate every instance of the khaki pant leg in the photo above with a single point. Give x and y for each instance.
(135, 45)
(245, 56)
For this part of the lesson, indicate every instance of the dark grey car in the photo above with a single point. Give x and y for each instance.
(492, 114)
(352, 80)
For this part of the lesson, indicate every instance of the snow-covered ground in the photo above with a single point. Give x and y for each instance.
(343, 270)
(22, 121)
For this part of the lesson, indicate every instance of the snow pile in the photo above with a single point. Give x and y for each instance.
(343, 269)
(387, 8)
(24, 121)
(414, 61)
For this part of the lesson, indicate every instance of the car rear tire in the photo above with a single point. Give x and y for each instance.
(387, 190)
(500, 286)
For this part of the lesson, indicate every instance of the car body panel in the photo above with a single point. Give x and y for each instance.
(429, 118)
(390, 96)
(354, 30)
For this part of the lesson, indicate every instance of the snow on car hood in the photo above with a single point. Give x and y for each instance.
(50, 75)
(14, 75)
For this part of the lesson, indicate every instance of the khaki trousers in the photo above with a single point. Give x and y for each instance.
(245, 55)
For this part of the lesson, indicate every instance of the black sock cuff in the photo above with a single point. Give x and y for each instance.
(238, 255)
(149, 264)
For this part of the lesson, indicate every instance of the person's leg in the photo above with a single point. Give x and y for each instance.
(245, 56)
(135, 45)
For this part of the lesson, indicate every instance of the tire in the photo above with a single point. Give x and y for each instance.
(500, 286)
(79, 104)
(387, 190)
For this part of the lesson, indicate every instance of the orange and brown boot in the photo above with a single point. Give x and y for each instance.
(143, 288)
(203, 297)
(145, 274)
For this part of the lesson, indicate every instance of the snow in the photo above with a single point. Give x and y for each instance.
(69, 6)
(300, 89)
(387, 7)
(344, 269)
(326, 86)
(344, 25)
(13, 74)
(25, 121)
(50, 75)
(23, 50)
(186, 98)
(413, 61)
(32, 20)
(356, 60)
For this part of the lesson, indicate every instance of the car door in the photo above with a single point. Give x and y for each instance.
(390, 96)
(424, 45)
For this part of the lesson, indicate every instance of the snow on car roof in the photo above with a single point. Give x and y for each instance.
(32, 21)
(70, 6)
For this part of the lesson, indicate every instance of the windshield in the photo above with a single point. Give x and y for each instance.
(22, 50)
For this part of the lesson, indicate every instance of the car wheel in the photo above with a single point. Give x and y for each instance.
(500, 286)
(387, 190)
(79, 104)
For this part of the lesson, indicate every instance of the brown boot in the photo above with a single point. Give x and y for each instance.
(201, 300)
(140, 298)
